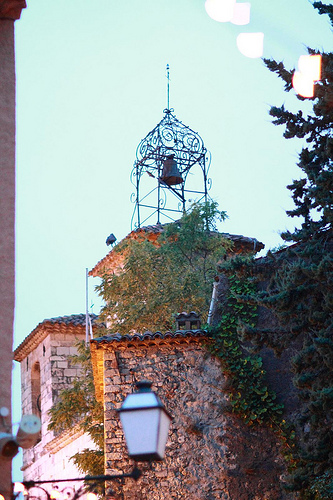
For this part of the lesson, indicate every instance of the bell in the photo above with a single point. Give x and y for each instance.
(170, 173)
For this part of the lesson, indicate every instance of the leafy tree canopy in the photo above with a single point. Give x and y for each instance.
(156, 282)
(160, 279)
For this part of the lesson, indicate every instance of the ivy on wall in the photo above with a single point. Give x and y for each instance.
(249, 395)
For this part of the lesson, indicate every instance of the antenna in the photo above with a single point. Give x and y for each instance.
(168, 85)
(87, 311)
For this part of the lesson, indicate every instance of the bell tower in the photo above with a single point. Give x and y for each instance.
(170, 171)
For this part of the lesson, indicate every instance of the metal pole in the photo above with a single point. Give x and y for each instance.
(168, 86)
(87, 313)
(135, 474)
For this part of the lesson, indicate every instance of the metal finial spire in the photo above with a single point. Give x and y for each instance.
(168, 86)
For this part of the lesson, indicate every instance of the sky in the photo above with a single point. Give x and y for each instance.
(91, 84)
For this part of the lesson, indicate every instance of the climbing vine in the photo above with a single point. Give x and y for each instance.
(250, 396)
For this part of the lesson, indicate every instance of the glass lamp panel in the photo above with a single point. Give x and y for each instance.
(163, 433)
(140, 400)
(141, 430)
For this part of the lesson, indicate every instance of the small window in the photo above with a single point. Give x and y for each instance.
(36, 390)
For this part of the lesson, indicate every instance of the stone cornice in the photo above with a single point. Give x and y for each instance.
(65, 438)
(11, 9)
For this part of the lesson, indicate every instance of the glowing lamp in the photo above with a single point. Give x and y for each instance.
(146, 423)
(55, 494)
(91, 496)
(310, 66)
(220, 10)
(251, 44)
(19, 488)
(241, 13)
(303, 85)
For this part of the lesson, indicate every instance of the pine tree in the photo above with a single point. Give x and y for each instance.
(300, 289)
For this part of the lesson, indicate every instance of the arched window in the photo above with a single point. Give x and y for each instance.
(36, 390)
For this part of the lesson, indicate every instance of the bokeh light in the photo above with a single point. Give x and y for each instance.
(251, 44)
(220, 10)
(310, 66)
(241, 13)
(18, 488)
(302, 84)
(91, 496)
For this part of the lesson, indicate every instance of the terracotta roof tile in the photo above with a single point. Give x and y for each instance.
(117, 338)
(61, 324)
(111, 259)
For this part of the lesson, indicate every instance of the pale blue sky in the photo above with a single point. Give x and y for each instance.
(91, 84)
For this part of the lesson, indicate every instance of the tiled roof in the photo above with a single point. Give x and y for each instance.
(137, 341)
(117, 338)
(241, 243)
(60, 324)
(245, 241)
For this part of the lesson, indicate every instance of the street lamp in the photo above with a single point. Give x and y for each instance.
(145, 423)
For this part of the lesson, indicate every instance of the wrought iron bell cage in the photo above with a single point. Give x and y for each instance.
(170, 172)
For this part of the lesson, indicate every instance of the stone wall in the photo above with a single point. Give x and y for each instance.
(210, 453)
(49, 347)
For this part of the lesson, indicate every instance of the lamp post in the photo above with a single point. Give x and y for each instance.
(145, 422)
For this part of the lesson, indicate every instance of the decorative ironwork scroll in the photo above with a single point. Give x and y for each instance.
(155, 193)
(33, 490)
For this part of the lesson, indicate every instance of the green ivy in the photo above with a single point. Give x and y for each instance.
(250, 396)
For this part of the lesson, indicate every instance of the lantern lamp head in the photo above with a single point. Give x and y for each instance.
(145, 423)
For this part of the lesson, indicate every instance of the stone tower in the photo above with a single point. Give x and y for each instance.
(46, 370)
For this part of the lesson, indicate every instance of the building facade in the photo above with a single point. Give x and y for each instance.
(210, 453)
(47, 369)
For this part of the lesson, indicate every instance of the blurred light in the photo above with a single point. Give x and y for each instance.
(91, 496)
(251, 44)
(18, 488)
(2, 497)
(241, 13)
(220, 10)
(55, 494)
(310, 66)
(303, 85)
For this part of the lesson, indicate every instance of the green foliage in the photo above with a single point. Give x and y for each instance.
(159, 280)
(77, 406)
(300, 281)
(250, 395)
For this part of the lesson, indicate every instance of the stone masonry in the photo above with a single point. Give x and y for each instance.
(46, 370)
(210, 453)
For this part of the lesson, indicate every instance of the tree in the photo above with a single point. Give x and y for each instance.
(300, 280)
(160, 279)
(77, 406)
(157, 281)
